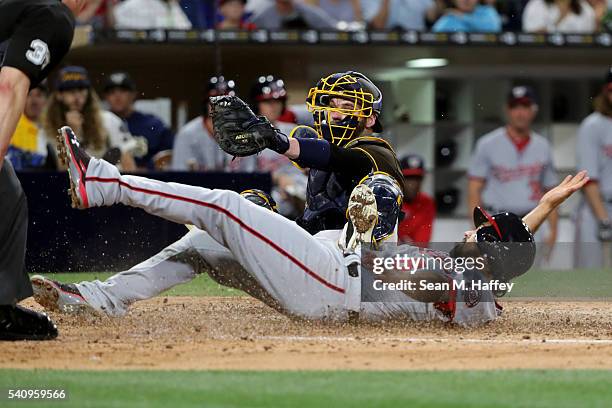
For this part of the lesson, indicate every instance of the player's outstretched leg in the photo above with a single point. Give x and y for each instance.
(176, 264)
(302, 273)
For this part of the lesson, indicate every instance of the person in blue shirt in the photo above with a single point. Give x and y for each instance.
(120, 94)
(469, 16)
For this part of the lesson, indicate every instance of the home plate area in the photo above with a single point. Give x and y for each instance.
(238, 333)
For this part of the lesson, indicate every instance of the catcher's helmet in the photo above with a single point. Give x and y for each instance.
(261, 198)
(510, 260)
(352, 86)
(389, 199)
(268, 87)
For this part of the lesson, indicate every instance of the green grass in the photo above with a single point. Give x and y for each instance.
(576, 283)
(202, 285)
(528, 388)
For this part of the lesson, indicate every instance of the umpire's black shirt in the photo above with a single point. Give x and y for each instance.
(36, 35)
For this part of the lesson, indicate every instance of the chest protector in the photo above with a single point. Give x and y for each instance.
(327, 192)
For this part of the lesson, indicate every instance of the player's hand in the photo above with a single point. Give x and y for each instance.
(605, 231)
(74, 119)
(555, 196)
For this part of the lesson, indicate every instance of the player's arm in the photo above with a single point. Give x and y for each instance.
(14, 86)
(479, 170)
(475, 186)
(553, 198)
(379, 21)
(592, 193)
(322, 155)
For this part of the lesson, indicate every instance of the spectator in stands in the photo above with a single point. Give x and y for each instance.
(120, 95)
(341, 10)
(419, 208)
(98, 13)
(401, 14)
(201, 14)
(269, 99)
(28, 148)
(149, 14)
(102, 133)
(512, 166)
(593, 232)
(292, 14)
(195, 148)
(562, 16)
(232, 16)
(469, 16)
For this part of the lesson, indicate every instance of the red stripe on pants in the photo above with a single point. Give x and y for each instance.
(231, 216)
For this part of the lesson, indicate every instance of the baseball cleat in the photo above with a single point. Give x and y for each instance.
(363, 214)
(76, 160)
(59, 297)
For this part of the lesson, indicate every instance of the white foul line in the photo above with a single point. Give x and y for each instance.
(430, 340)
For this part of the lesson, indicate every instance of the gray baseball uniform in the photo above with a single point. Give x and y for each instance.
(515, 176)
(196, 149)
(594, 154)
(247, 247)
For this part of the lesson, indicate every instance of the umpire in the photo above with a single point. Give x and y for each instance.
(34, 37)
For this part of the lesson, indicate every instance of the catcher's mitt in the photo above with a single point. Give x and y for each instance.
(240, 132)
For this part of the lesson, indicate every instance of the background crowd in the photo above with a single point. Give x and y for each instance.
(533, 16)
(111, 127)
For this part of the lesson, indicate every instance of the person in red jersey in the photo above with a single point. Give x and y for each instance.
(419, 208)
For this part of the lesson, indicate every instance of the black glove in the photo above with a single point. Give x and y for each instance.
(240, 132)
(605, 231)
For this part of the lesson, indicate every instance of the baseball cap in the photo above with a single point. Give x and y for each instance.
(522, 95)
(119, 79)
(72, 77)
(413, 165)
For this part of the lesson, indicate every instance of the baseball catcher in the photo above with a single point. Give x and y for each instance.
(338, 152)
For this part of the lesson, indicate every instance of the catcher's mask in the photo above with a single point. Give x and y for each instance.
(389, 200)
(261, 198)
(351, 86)
(507, 261)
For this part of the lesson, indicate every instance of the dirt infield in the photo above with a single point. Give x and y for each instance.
(240, 333)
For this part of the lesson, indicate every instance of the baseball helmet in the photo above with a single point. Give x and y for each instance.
(217, 86)
(389, 198)
(268, 87)
(261, 198)
(412, 165)
(507, 261)
(354, 87)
